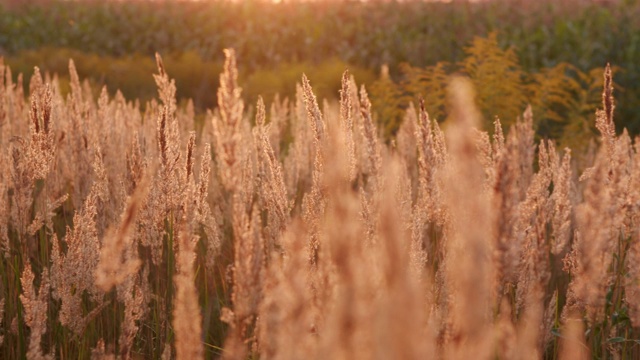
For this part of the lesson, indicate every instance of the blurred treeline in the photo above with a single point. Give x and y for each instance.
(113, 43)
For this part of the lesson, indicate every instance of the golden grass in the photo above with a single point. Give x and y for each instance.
(303, 235)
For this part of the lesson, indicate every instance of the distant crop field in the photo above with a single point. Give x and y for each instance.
(114, 42)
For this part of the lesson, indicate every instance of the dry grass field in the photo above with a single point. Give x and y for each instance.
(297, 232)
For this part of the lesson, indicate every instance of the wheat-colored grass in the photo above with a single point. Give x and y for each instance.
(299, 233)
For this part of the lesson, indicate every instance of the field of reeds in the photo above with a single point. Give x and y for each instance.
(295, 231)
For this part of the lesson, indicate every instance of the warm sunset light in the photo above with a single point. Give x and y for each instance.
(319, 179)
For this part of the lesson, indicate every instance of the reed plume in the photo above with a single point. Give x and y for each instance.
(35, 310)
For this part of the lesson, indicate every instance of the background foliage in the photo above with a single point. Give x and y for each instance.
(113, 43)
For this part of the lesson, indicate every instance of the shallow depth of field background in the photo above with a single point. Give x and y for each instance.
(113, 43)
